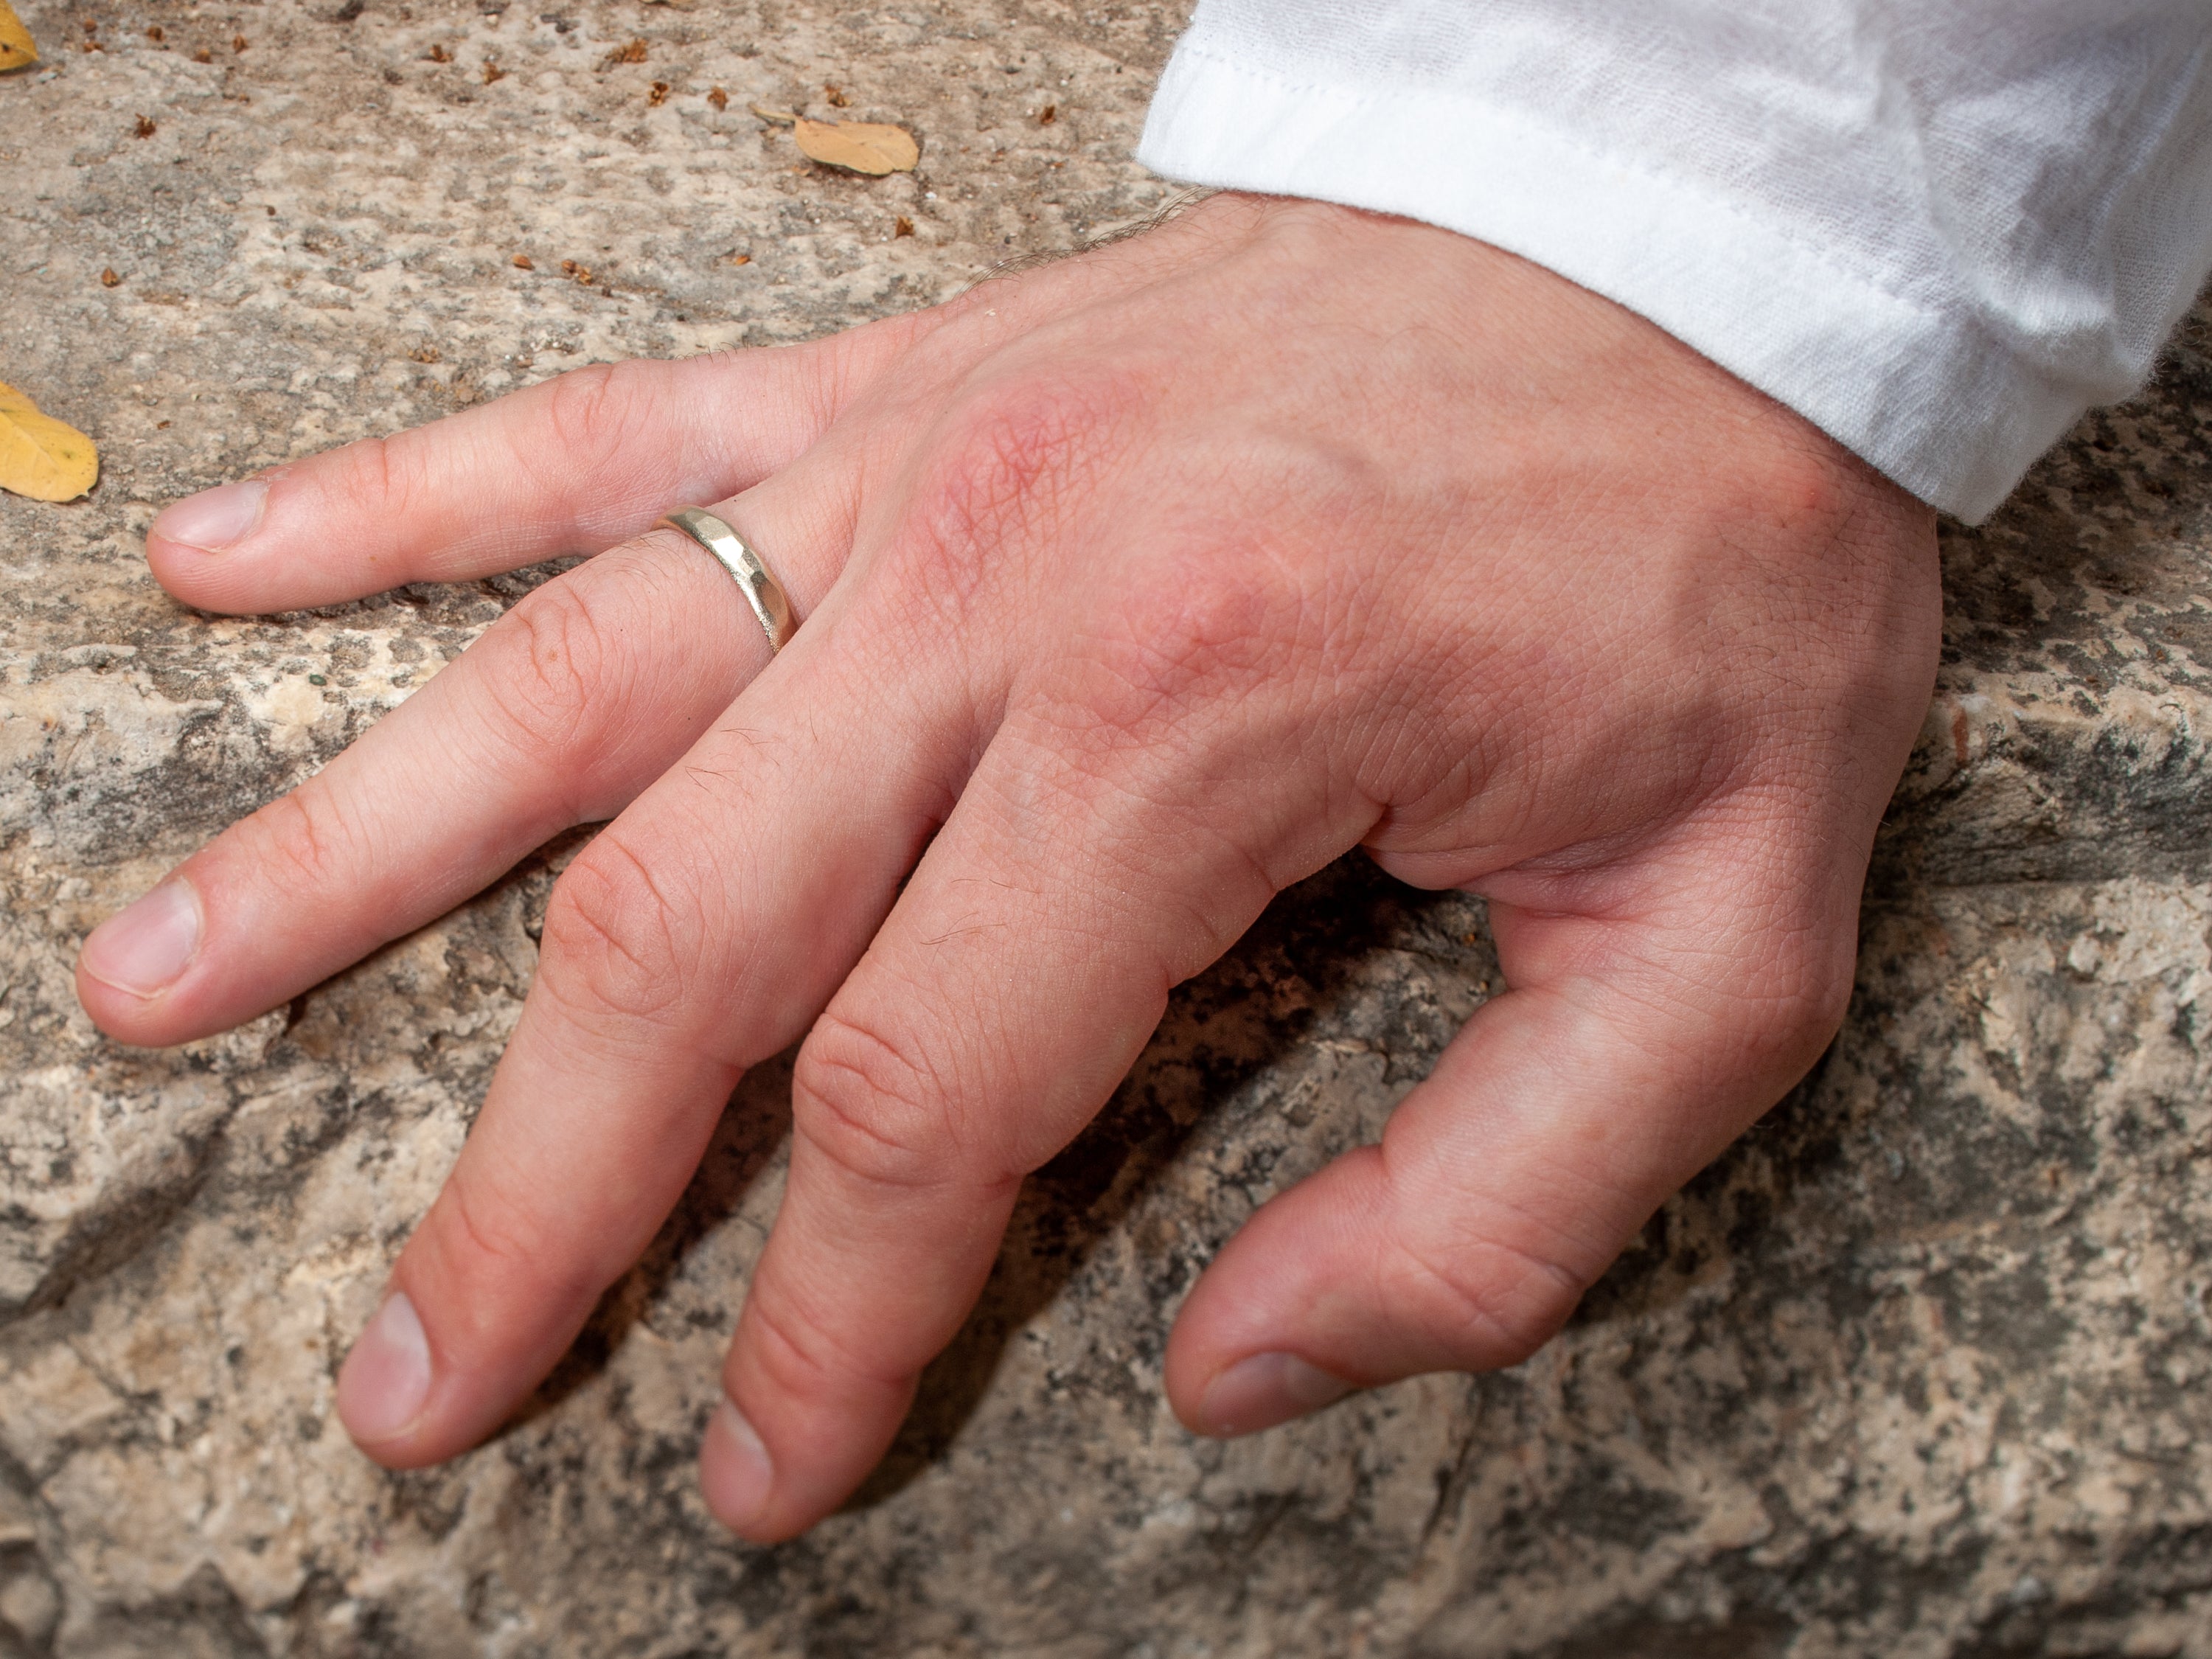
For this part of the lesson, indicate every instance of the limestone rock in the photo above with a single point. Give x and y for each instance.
(1917, 1368)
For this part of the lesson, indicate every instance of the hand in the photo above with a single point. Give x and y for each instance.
(1135, 588)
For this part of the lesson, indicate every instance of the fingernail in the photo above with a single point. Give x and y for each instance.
(144, 949)
(1264, 1389)
(734, 1471)
(215, 519)
(386, 1377)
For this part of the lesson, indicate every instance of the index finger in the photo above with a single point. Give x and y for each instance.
(574, 464)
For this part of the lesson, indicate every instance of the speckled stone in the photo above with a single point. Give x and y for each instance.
(1918, 1369)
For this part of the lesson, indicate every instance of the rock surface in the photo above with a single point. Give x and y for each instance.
(1918, 1369)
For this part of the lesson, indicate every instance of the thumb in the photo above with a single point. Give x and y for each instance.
(1630, 1051)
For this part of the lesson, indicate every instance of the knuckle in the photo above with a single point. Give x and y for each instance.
(1805, 486)
(591, 412)
(800, 1356)
(614, 941)
(791, 1350)
(488, 1234)
(1195, 641)
(384, 479)
(1009, 464)
(875, 1110)
(314, 844)
(1810, 976)
(547, 685)
(1785, 989)
(1828, 1001)
(1492, 1302)
(827, 375)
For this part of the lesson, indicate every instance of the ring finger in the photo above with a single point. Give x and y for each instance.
(565, 711)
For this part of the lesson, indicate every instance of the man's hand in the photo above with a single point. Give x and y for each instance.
(1134, 589)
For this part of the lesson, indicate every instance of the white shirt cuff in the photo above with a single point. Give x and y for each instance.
(1930, 399)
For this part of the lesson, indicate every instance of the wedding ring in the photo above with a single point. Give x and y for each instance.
(761, 591)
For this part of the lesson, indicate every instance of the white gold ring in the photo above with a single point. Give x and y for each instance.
(762, 589)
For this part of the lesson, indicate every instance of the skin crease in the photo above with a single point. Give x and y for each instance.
(1135, 588)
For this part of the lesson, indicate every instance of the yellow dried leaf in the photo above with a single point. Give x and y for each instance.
(871, 147)
(17, 50)
(40, 457)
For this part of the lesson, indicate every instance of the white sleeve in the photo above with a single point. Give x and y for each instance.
(1939, 229)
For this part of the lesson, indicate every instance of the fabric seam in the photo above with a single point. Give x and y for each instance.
(1814, 251)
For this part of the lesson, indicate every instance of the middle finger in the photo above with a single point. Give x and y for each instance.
(696, 936)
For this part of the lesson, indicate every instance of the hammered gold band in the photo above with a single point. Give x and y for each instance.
(762, 589)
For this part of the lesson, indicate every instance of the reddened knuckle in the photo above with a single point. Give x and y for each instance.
(867, 1104)
(1024, 428)
(1870, 532)
(1009, 462)
(614, 941)
(1230, 623)
(1807, 486)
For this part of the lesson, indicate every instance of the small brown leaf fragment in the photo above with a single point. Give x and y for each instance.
(836, 94)
(874, 147)
(438, 54)
(718, 98)
(161, 426)
(582, 273)
(108, 278)
(522, 263)
(202, 55)
(238, 43)
(39, 456)
(633, 51)
(94, 46)
(145, 127)
(1047, 115)
(425, 354)
(154, 34)
(741, 258)
(658, 96)
(493, 72)
(17, 49)
(902, 226)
